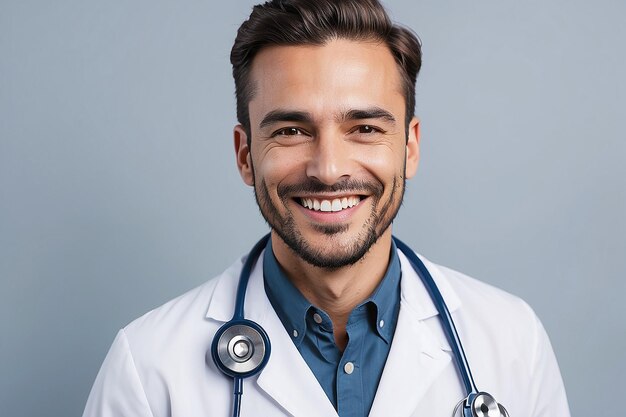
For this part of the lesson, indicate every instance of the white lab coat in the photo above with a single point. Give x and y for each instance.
(158, 365)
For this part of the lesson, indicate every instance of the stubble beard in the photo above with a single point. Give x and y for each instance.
(373, 228)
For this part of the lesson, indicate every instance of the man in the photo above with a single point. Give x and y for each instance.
(327, 138)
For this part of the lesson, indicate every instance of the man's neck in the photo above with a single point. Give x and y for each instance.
(336, 291)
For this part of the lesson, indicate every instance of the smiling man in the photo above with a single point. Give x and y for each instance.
(330, 315)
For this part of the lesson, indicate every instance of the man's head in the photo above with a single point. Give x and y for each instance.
(327, 138)
(308, 22)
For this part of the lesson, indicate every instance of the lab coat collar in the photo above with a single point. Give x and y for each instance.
(222, 304)
(413, 292)
(416, 296)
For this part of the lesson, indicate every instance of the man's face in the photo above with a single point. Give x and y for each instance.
(329, 152)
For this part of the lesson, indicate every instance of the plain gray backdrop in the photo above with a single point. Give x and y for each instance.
(119, 191)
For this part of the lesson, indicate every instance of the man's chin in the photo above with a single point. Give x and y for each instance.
(331, 261)
(331, 229)
(333, 250)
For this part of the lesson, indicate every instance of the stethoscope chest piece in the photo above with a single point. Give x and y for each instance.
(484, 405)
(240, 348)
(481, 404)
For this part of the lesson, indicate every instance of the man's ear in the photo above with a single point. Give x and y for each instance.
(242, 153)
(413, 148)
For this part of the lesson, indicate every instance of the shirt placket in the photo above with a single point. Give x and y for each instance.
(350, 401)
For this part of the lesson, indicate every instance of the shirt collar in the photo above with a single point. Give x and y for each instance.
(292, 307)
(289, 304)
(386, 297)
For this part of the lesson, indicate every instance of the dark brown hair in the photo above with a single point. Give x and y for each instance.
(315, 22)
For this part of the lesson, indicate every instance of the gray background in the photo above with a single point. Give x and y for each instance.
(118, 187)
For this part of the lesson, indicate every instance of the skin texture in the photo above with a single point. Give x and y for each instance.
(329, 122)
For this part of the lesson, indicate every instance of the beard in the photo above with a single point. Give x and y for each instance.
(376, 224)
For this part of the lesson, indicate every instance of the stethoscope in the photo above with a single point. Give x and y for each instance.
(241, 348)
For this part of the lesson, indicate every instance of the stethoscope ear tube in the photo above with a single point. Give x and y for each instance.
(476, 404)
(446, 318)
(244, 276)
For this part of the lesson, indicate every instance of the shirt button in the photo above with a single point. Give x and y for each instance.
(317, 318)
(381, 323)
(295, 333)
(348, 368)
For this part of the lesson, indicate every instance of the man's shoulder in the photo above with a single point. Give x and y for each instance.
(474, 301)
(470, 288)
(483, 302)
(184, 314)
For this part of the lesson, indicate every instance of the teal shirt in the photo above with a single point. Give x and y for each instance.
(349, 379)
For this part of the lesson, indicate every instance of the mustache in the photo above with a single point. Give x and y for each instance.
(313, 186)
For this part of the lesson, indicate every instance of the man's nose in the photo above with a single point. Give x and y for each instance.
(330, 160)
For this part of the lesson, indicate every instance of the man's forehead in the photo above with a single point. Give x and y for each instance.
(340, 69)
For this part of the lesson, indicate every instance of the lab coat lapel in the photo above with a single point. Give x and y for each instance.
(286, 378)
(417, 356)
(414, 363)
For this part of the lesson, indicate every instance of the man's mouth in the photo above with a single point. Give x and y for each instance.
(330, 205)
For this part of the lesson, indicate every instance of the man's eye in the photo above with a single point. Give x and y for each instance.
(289, 131)
(367, 129)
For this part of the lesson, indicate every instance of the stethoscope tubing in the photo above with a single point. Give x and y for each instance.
(446, 318)
(244, 276)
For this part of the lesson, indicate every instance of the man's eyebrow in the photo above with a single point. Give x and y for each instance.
(369, 113)
(285, 116)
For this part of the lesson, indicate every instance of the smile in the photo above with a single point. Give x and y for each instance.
(336, 204)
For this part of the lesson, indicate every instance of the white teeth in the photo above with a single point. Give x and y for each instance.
(336, 204)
